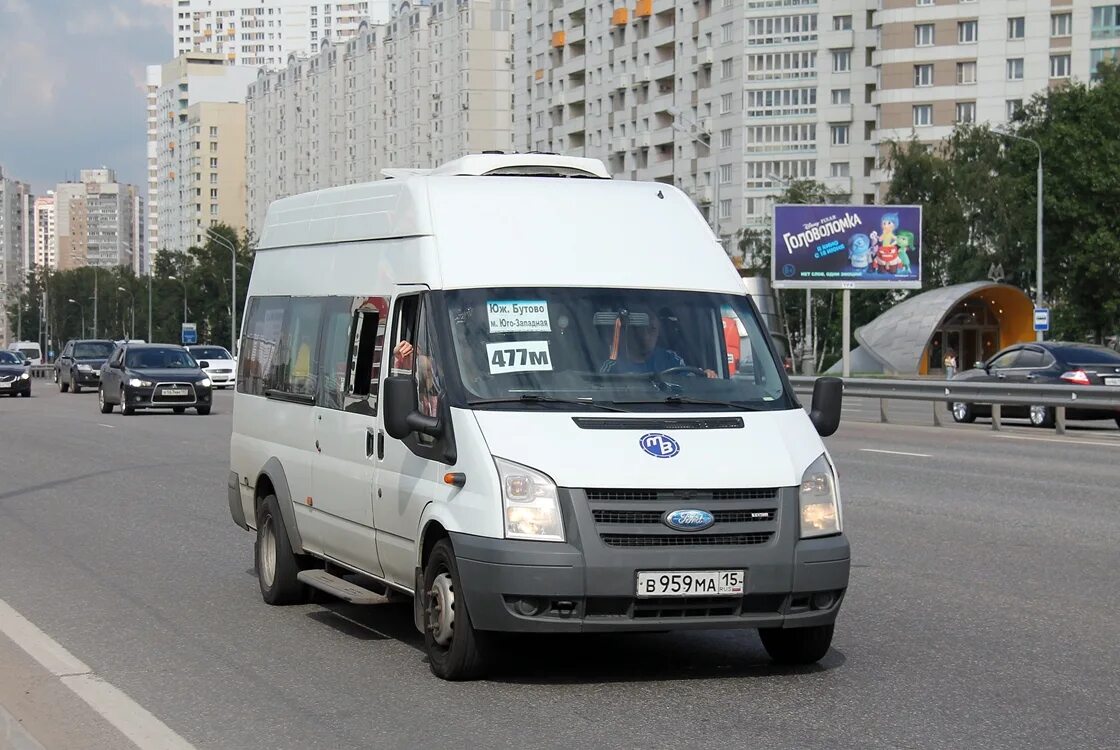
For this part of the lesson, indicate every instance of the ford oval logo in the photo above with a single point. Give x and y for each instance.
(689, 519)
(659, 445)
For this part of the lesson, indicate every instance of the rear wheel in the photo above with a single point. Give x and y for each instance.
(962, 412)
(276, 565)
(796, 646)
(1042, 416)
(106, 407)
(456, 651)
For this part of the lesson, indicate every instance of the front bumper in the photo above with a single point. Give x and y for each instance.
(90, 379)
(584, 585)
(18, 386)
(147, 397)
(222, 378)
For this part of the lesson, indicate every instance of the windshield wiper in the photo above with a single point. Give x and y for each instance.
(535, 398)
(681, 400)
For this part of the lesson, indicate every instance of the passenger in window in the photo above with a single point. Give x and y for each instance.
(637, 351)
(427, 382)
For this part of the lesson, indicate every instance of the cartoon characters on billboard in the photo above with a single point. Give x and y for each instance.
(885, 251)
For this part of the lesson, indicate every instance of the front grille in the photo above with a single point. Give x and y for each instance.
(7, 378)
(683, 608)
(160, 396)
(653, 516)
(222, 372)
(685, 539)
(681, 497)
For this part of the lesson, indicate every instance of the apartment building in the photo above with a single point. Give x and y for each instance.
(15, 246)
(199, 148)
(46, 249)
(153, 80)
(727, 99)
(944, 63)
(98, 222)
(432, 84)
(265, 32)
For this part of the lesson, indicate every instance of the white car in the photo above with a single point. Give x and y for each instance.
(218, 364)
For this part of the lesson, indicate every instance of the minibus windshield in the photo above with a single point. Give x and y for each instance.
(630, 349)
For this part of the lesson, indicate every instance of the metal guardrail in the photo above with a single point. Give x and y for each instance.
(943, 392)
(42, 371)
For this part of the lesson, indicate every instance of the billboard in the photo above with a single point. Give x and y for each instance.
(847, 247)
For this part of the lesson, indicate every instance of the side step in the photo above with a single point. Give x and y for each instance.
(340, 587)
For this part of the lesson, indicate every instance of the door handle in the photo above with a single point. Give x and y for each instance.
(380, 445)
(371, 437)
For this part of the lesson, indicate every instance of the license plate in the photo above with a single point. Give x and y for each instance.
(1112, 381)
(690, 583)
(175, 392)
(5, 385)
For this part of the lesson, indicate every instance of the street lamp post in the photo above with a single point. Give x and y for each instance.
(83, 309)
(132, 307)
(232, 286)
(1038, 220)
(149, 303)
(687, 129)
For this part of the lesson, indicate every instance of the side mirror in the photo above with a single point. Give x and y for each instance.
(828, 395)
(27, 363)
(203, 364)
(402, 412)
(979, 365)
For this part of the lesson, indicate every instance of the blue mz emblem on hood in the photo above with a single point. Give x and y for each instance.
(659, 445)
(688, 520)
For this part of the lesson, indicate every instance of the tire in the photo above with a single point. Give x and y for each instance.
(63, 386)
(274, 562)
(1041, 416)
(106, 406)
(26, 394)
(202, 410)
(178, 409)
(1118, 422)
(962, 412)
(126, 410)
(74, 386)
(456, 651)
(797, 646)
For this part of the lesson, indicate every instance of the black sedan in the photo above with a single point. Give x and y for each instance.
(1044, 363)
(79, 365)
(153, 376)
(15, 380)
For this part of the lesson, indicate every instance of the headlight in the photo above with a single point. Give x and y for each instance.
(25, 376)
(84, 368)
(819, 500)
(138, 383)
(205, 382)
(529, 503)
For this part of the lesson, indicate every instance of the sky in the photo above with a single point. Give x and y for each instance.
(72, 90)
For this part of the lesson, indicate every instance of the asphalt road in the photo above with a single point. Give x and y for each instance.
(981, 613)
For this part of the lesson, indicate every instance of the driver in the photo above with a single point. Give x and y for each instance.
(637, 352)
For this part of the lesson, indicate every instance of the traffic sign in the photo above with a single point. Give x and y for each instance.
(190, 333)
(1042, 318)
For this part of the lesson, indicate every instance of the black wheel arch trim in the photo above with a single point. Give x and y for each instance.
(275, 473)
(236, 509)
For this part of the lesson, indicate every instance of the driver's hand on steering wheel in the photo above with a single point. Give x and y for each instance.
(711, 374)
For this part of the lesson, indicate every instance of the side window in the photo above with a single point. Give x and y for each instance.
(260, 342)
(429, 381)
(335, 348)
(414, 353)
(1030, 357)
(298, 365)
(368, 340)
(1005, 360)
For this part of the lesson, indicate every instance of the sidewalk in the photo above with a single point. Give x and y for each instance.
(13, 736)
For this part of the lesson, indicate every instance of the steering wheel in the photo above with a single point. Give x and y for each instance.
(698, 372)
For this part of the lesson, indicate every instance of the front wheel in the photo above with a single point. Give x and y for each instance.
(106, 407)
(797, 646)
(63, 386)
(962, 412)
(202, 410)
(1042, 416)
(125, 408)
(275, 563)
(74, 385)
(455, 649)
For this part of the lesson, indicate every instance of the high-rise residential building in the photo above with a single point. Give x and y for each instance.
(732, 99)
(15, 247)
(46, 250)
(98, 221)
(431, 85)
(199, 148)
(153, 81)
(265, 32)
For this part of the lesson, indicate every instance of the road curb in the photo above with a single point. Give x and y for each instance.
(13, 735)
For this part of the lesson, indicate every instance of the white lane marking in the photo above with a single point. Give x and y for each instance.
(129, 717)
(897, 453)
(1066, 441)
(110, 426)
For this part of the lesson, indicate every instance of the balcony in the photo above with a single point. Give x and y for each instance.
(836, 113)
(837, 39)
(704, 194)
(575, 125)
(620, 144)
(662, 103)
(663, 36)
(620, 17)
(645, 74)
(623, 80)
(664, 69)
(575, 94)
(706, 56)
(576, 34)
(643, 9)
(643, 140)
(558, 99)
(662, 136)
(559, 39)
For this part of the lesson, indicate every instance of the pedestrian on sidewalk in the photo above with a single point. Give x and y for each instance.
(950, 364)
